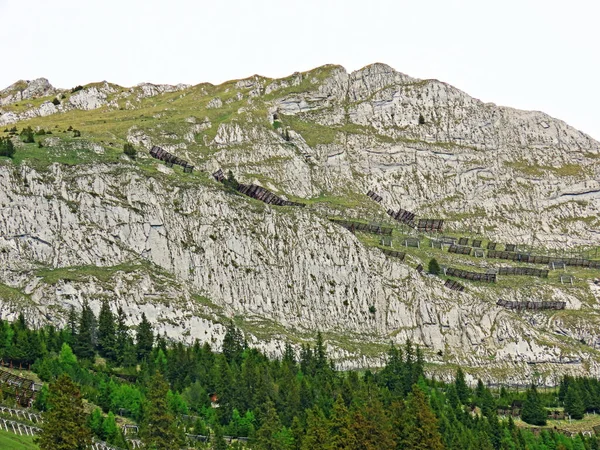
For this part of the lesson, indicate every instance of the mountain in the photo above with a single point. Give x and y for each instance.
(79, 220)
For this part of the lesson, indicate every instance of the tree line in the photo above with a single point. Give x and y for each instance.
(297, 402)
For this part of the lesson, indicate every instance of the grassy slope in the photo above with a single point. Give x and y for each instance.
(11, 441)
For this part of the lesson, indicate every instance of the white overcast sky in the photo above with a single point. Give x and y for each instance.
(529, 54)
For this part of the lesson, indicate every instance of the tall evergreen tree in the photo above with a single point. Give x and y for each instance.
(573, 403)
(233, 344)
(462, 390)
(144, 338)
(106, 332)
(73, 324)
(317, 434)
(159, 430)
(343, 432)
(65, 424)
(266, 436)
(86, 334)
(420, 430)
(533, 411)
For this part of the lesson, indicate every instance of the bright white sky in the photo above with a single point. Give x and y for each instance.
(529, 54)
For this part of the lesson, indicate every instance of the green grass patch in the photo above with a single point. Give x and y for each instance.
(11, 441)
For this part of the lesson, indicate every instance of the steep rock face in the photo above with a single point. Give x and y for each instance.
(290, 267)
(509, 175)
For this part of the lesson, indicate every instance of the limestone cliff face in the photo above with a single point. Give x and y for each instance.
(190, 253)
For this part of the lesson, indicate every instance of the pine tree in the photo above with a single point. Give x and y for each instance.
(7, 148)
(129, 150)
(106, 332)
(73, 324)
(86, 334)
(372, 428)
(434, 267)
(65, 424)
(233, 344)
(159, 430)
(573, 403)
(533, 411)
(462, 390)
(144, 338)
(317, 435)
(420, 424)
(266, 435)
(343, 433)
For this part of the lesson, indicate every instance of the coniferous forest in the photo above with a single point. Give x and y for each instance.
(106, 381)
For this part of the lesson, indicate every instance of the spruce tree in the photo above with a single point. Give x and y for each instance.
(65, 424)
(434, 267)
(233, 344)
(159, 430)
(420, 424)
(86, 334)
(266, 436)
(106, 332)
(343, 433)
(462, 390)
(573, 403)
(144, 338)
(533, 411)
(317, 433)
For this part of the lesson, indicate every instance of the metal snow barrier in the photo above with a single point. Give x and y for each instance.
(22, 389)
(476, 243)
(472, 276)
(412, 242)
(553, 261)
(364, 227)
(22, 413)
(374, 196)
(436, 243)
(527, 271)
(463, 241)
(510, 247)
(219, 175)
(429, 225)
(394, 253)
(454, 285)
(264, 195)
(519, 306)
(402, 216)
(170, 159)
(386, 241)
(566, 279)
(459, 249)
(491, 246)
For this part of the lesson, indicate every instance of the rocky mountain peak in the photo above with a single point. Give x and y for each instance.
(26, 90)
